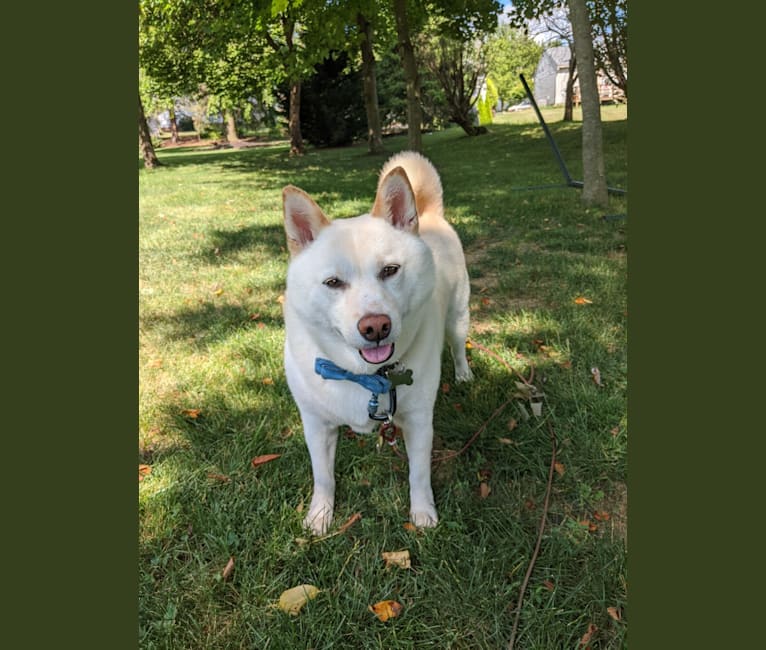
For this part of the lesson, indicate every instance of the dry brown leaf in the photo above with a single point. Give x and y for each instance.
(614, 612)
(408, 525)
(144, 470)
(601, 515)
(614, 431)
(386, 609)
(484, 490)
(267, 381)
(400, 559)
(548, 585)
(156, 363)
(560, 469)
(293, 600)
(505, 441)
(228, 569)
(351, 521)
(592, 629)
(512, 424)
(265, 458)
(219, 477)
(582, 300)
(445, 388)
(218, 292)
(191, 413)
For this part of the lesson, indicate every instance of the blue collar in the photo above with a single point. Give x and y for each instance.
(376, 383)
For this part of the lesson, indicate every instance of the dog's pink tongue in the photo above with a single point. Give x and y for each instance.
(377, 355)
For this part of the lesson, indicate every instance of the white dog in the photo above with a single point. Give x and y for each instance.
(367, 305)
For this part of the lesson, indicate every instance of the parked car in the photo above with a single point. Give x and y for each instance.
(522, 105)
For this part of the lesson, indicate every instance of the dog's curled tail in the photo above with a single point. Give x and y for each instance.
(424, 180)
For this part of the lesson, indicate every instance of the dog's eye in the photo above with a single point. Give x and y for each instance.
(334, 283)
(388, 271)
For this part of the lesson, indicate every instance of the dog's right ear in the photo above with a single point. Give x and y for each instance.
(303, 219)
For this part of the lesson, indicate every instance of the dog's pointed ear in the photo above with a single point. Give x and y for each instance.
(395, 201)
(303, 218)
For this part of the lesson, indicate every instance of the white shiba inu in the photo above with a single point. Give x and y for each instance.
(368, 300)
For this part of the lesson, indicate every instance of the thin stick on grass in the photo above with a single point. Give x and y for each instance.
(533, 559)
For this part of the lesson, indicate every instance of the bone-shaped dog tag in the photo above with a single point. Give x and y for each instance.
(399, 377)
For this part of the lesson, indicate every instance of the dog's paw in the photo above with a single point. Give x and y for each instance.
(463, 374)
(425, 518)
(319, 518)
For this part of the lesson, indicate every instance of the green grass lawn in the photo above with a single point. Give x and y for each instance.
(213, 396)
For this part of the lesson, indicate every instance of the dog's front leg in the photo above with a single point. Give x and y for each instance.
(417, 428)
(321, 439)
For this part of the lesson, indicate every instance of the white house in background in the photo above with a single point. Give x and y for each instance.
(551, 77)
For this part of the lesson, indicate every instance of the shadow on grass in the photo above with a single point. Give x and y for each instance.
(259, 240)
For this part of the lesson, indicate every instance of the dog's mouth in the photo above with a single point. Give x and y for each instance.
(378, 354)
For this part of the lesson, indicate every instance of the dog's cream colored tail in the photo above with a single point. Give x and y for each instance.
(424, 180)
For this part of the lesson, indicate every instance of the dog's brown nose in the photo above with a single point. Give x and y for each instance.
(374, 327)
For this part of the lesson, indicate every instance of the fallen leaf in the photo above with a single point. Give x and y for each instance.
(351, 521)
(537, 408)
(596, 373)
(191, 413)
(228, 569)
(566, 364)
(512, 424)
(484, 490)
(267, 381)
(548, 585)
(445, 388)
(560, 469)
(265, 458)
(601, 515)
(144, 470)
(582, 300)
(587, 523)
(400, 559)
(281, 299)
(458, 407)
(218, 292)
(386, 609)
(485, 301)
(614, 612)
(468, 345)
(293, 600)
(505, 441)
(529, 504)
(592, 629)
(408, 525)
(254, 316)
(156, 363)
(219, 477)
(614, 431)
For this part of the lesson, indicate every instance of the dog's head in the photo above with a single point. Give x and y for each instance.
(353, 283)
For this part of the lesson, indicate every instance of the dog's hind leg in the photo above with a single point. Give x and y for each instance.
(457, 333)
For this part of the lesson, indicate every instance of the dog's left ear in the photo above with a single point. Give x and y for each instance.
(303, 218)
(395, 201)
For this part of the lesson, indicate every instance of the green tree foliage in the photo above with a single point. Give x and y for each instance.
(487, 102)
(332, 108)
(510, 52)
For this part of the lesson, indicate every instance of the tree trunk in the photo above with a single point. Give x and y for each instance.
(145, 139)
(407, 54)
(370, 86)
(569, 94)
(231, 126)
(594, 178)
(173, 125)
(294, 123)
